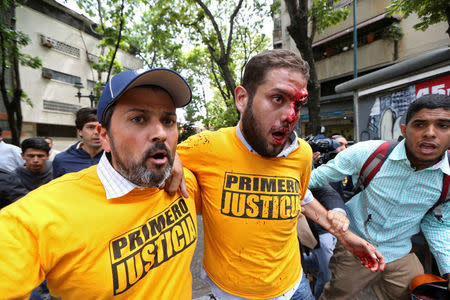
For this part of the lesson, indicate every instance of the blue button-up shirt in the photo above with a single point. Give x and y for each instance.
(398, 199)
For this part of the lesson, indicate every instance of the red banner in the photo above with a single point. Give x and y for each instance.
(436, 86)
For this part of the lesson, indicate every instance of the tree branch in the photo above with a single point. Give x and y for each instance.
(122, 21)
(230, 34)
(214, 23)
(2, 78)
(216, 79)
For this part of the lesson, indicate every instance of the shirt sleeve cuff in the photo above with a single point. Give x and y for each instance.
(340, 210)
(308, 197)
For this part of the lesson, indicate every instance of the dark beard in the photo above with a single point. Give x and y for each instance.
(137, 172)
(254, 136)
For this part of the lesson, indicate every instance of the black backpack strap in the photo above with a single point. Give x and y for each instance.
(445, 195)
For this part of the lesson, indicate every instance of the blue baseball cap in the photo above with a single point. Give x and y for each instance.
(167, 79)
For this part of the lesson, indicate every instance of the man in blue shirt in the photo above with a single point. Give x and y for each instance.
(398, 198)
(84, 153)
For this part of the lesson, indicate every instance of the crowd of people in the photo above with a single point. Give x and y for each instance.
(115, 215)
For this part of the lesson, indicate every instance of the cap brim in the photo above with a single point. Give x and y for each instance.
(169, 80)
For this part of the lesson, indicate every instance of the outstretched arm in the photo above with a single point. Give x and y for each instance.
(336, 223)
(333, 221)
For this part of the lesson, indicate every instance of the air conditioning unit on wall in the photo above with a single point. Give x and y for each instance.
(47, 42)
(92, 58)
(47, 74)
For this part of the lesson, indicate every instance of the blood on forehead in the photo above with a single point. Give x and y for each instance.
(301, 95)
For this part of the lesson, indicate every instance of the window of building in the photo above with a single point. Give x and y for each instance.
(343, 41)
(56, 130)
(61, 106)
(59, 76)
(91, 84)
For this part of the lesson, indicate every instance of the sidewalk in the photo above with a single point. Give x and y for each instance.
(201, 298)
(200, 289)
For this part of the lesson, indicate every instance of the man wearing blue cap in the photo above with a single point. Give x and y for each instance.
(108, 231)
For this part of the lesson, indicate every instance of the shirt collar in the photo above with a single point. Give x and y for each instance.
(115, 184)
(293, 138)
(399, 153)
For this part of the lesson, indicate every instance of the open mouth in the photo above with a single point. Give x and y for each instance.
(427, 148)
(159, 157)
(278, 136)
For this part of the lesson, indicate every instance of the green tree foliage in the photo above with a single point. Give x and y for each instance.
(186, 130)
(11, 40)
(210, 41)
(156, 36)
(115, 23)
(306, 21)
(429, 11)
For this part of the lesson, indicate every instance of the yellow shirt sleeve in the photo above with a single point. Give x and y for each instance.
(193, 189)
(20, 258)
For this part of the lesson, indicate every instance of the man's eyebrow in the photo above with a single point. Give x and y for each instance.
(422, 120)
(137, 110)
(280, 91)
(146, 111)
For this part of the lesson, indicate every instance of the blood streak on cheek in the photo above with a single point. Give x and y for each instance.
(292, 116)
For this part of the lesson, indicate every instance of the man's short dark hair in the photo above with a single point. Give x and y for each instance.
(259, 65)
(85, 115)
(336, 136)
(431, 101)
(1, 131)
(35, 143)
(106, 120)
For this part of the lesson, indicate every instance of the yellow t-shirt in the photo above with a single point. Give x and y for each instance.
(138, 246)
(250, 206)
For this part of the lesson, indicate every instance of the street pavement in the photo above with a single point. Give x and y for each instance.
(200, 289)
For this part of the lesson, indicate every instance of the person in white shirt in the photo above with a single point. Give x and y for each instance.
(10, 157)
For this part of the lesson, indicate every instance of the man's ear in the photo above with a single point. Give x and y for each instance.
(104, 138)
(79, 133)
(403, 129)
(241, 98)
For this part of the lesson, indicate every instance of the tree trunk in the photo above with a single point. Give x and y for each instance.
(447, 12)
(298, 30)
(229, 79)
(11, 102)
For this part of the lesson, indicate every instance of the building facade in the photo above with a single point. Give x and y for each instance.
(67, 45)
(379, 46)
